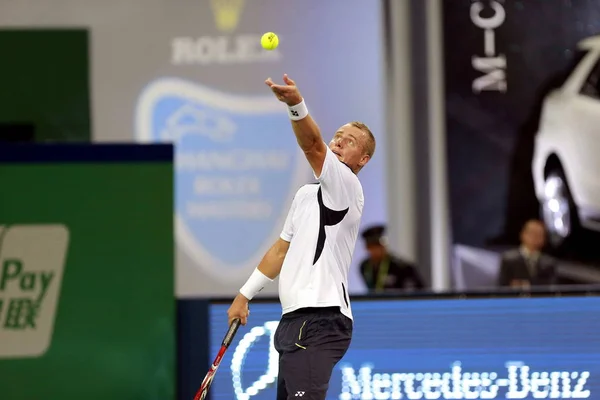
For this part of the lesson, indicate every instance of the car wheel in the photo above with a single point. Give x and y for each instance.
(558, 209)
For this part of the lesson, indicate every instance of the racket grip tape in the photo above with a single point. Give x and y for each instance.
(235, 324)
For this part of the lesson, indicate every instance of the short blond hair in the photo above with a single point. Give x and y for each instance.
(370, 144)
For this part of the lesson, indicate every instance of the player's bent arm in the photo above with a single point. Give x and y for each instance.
(308, 136)
(271, 263)
(268, 269)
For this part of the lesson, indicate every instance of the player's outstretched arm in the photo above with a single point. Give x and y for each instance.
(305, 128)
(268, 269)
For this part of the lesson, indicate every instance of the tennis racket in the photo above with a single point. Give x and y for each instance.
(203, 391)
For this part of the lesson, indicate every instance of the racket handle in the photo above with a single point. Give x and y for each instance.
(235, 324)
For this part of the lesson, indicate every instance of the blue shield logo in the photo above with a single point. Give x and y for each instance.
(237, 169)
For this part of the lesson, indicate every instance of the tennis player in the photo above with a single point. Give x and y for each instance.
(313, 253)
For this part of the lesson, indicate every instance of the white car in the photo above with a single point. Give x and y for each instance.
(566, 160)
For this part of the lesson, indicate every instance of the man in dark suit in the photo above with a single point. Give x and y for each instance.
(527, 266)
(383, 271)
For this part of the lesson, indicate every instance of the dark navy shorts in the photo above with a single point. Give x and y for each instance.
(310, 342)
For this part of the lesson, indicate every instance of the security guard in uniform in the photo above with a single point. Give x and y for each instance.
(383, 271)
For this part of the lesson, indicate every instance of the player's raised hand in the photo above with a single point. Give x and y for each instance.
(238, 309)
(287, 93)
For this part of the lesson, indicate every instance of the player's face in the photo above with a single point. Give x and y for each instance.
(348, 144)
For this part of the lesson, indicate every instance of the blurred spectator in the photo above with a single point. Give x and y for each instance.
(382, 270)
(528, 266)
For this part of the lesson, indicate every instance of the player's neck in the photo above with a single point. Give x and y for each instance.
(353, 171)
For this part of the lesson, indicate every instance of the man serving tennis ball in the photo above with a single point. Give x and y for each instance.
(313, 253)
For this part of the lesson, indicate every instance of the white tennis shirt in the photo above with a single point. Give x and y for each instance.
(321, 226)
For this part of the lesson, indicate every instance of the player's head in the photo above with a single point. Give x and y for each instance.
(354, 145)
(533, 235)
(375, 242)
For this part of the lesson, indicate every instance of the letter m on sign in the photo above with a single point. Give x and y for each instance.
(494, 70)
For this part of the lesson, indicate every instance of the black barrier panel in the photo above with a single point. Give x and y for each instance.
(192, 345)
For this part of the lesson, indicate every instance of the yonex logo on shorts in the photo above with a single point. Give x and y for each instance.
(32, 261)
(299, 394)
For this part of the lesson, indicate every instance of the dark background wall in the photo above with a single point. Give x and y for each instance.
(44, 76)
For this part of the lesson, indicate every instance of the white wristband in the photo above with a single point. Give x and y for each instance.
(298, 112)
(255, 284)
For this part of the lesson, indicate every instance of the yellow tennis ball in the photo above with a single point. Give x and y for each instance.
(269, 41)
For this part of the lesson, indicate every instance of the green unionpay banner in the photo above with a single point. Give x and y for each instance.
(87, 307)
